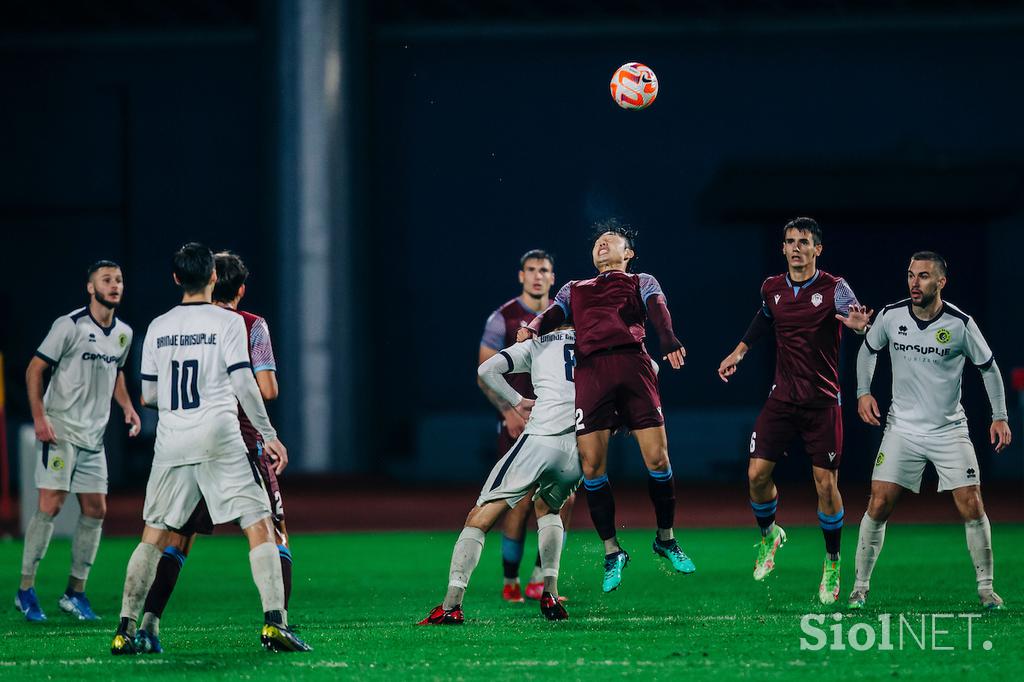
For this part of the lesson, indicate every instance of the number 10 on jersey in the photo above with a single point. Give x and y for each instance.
(184, 384)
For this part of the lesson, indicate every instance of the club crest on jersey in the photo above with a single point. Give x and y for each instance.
(816, 300)
(777, 297)
(122, 340)
(943, 336)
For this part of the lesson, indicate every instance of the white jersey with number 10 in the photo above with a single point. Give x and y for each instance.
(190, 352)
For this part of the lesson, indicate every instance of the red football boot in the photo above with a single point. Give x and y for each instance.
(552, 608)
(441, 616)
(512, 594)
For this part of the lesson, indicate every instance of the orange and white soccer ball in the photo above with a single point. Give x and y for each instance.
(634, 86)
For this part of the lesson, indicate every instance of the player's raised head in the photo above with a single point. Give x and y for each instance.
(194, 268)
(926, 276)
(537, 272)
(105, 283)
(613, 245)
(231, 276)
(801, 242)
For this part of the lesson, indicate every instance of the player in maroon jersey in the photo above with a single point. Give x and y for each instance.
(616, 384)
(227, 293)
(536, 275)
(807, 308)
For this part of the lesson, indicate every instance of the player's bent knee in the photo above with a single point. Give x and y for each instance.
(51, 501)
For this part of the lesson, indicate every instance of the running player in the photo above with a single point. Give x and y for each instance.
(617, 386)
(807, 308)
(536, 275)
(86, 351)
(543, 459)
(928, 342)
(227, 293)
(196, 369)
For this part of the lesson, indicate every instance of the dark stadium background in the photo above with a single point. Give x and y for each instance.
(381, 166)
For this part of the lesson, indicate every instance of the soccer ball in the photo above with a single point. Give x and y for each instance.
(634, 86)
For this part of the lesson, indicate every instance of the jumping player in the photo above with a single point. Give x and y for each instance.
(227, 293)
(807, 308)
(536, 275)
(86, 352)
(617, 386)
(544, 458)
(928, 342)
(196, 369)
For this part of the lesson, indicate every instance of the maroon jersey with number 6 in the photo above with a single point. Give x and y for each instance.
(807, 336)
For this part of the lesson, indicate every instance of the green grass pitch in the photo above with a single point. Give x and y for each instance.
(358, 595)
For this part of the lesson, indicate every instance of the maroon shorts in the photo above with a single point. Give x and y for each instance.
(200, 521)
(617, 389)
(820, 428)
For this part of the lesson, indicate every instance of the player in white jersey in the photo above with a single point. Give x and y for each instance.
(85, 351)
(543, 457)
(196, 370)
(929, 342)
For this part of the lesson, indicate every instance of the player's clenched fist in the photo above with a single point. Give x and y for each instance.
(278, 454)
(524, 334)
(867, 408)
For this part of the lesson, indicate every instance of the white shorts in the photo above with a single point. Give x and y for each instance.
(552, 463)
(65, 466)
(901, 459)
(230, 485)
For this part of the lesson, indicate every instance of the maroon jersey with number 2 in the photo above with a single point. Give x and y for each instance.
(615, 381)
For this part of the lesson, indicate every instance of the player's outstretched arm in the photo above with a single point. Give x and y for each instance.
(34, 380)
(760, 326)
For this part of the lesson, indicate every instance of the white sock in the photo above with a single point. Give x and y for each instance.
(37, 539)
(465, 557)
(979, 544)
(869, 546)
(265, 561)
(138, 577)
(550, 536)
(84, 546)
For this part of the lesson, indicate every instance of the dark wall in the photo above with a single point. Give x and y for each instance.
(895, 141)
(126, 153)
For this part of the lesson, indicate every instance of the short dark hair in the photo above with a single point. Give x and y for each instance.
(100, 264)
(804, 225)
(193, 265)
(616, 226)
(536, 254)
(939, 261)
(231, 275)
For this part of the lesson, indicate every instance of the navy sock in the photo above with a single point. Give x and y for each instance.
(167, 571)
(511, 556)
(832, 529)
(286, 572)
(602, 505)
(662, 489)
(764, 512)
